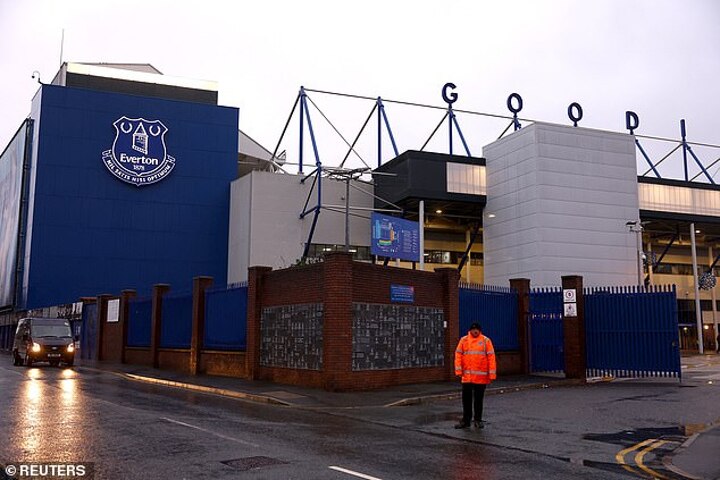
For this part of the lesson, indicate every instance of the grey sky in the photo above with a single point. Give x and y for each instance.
(658, 58)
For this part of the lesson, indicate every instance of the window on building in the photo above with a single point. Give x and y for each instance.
(679, 269)
(466, 178)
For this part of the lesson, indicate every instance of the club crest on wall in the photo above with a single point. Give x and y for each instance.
(139, 155)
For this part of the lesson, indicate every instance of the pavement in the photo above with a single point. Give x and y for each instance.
(686, 461)
(294, 396)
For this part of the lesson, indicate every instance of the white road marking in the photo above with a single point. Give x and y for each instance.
(356, 474)
(220, 435)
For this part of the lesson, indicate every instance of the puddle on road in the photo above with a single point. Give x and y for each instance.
(632, 437)
(437, 417)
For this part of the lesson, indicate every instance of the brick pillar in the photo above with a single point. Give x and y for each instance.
(125, 297)
(449, 279)
(84, 343)
(200, 284)
(158, 291)
(254, 310)
(337, 321)
(574, 330)
(102, 301)
(522, 286)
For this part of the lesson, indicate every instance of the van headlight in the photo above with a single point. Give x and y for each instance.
(71, 348)
(36, 347)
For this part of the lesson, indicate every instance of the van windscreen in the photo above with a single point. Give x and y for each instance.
(54, 330)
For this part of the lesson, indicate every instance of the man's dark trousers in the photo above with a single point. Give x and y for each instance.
(472, 398)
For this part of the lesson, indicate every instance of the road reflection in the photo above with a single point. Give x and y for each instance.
(51, 423)
(471, 463)
(31, 424)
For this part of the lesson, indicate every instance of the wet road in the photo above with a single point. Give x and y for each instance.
(135, 430)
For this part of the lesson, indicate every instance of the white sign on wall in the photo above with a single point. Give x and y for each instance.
(113, 310)
(570, 309)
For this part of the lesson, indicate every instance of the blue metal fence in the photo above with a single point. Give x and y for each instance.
(176, 325)
(226, 318)
(89, 332)
(632, 332)
(546, 330)
(139, 322)
(495, 309)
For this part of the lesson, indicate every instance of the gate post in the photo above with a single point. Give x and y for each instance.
(102, 306)
(574, 327)
(200, 284)
(522, 286)
(85, 351)
(125, 297)
(158, 291)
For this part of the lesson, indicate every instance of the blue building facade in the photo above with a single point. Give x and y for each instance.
(86, 231)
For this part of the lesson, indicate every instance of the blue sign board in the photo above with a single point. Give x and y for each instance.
(395, 238)
(402, 294)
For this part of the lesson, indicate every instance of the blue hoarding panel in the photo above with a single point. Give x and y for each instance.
(139, 323)
(226, 319)
(176, 325)
(395, 238)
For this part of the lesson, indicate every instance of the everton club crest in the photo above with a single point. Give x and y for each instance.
(138, 154)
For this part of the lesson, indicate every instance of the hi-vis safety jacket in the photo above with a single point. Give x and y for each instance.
(475, 359)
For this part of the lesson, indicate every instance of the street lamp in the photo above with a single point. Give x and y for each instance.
(636, 226)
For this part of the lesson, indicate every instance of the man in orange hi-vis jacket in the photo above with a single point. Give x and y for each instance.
(475, 364)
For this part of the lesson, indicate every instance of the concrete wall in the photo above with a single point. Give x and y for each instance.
(558, 201)
(265, 228)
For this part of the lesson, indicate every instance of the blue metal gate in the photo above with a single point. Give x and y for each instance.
(632, 332)
(89, 332)
(495, 309)
(546, 330)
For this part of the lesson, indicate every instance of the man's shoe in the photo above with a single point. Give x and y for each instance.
(479, 424)
(462, 425)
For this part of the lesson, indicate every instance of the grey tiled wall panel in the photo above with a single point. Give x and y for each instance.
(397, 336)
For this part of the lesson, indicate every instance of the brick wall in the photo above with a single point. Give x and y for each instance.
(337, 283)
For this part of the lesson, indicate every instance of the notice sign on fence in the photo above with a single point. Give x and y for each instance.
(569, 295)
(113, 310)
(569, 302)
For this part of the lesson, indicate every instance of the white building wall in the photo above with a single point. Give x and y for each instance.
(558, 201)
(265, 228)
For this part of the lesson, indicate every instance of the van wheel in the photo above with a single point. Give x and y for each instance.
(28, 361)
(16, 359)
(70, 363)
